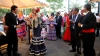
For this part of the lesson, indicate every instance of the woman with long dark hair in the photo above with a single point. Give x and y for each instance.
(52, 31)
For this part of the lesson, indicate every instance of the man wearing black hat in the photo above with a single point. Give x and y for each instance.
(88, 31)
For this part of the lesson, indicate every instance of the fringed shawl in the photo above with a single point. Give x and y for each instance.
(35, 22)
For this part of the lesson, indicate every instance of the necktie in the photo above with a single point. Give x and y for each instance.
(74, 17)
(57, 18)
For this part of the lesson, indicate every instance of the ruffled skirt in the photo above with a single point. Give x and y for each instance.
(21, 32)
(37, 46)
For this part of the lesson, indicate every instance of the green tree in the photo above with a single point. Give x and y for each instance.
(3, 11)
(92, 3)
(73, 5)
(55, 4)
(27, 11)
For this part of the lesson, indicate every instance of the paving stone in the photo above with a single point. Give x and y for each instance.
(54, 48)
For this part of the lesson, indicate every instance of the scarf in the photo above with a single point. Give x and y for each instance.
(35, 22)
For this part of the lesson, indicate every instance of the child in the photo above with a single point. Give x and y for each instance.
(43, 33)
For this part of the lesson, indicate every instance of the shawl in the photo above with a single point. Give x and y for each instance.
(35, 22)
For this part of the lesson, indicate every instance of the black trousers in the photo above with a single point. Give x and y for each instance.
(58, 31)
(97, 26)
(71, 35)
(76, 41)
(12, 45)
(73, 40)
(88, 44)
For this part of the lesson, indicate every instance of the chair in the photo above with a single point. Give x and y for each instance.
(3, 44)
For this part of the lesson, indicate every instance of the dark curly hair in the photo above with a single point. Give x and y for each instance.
(52, 14)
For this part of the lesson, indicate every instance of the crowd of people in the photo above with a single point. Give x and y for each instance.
(75, 27)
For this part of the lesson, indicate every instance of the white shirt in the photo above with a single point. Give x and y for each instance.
(14, 14)
(1, 26)
(16, 18)
(76, 17)
(86, 13)
(98, 19)
(75, 20)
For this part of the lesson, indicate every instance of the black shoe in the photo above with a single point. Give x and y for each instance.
(34, 55)
(17, 54)
(10, 55)
(69, 44)
(76, 54)
(79, 53)
(72, 51)
(59, 38)
(97, 35)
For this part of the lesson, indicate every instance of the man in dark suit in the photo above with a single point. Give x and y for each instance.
(88, 26)
(71, 28)
(58, 26)
(76, 30)
(97, 24)
(12, 22)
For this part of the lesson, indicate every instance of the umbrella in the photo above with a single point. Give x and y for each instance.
(21, 3)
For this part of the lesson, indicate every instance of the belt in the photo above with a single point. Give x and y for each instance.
(88, 30)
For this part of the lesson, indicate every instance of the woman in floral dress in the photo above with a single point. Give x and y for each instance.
(21, 32)
(52, 30)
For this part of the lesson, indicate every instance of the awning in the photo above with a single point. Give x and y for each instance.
(21, 3)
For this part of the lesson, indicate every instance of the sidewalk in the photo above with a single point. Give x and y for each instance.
(55, 48)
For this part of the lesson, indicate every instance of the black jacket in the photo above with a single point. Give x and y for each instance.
(77, 29)
(11, 20)
(59, 21)
(89, 21)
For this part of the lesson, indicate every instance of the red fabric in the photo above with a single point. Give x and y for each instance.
(67, 33)
(62, 22)
(88, 30)
(5, 29)
(21, 32)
